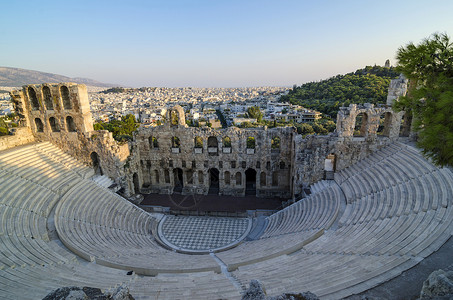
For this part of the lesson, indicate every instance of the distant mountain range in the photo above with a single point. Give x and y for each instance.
(15, 77)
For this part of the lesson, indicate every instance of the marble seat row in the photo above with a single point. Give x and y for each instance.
(399, 210)
(117, 235)
(317, 211)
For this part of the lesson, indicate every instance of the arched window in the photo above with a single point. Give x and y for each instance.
(263, 179)
(167, 176)
(156, 176)
(212, 142)
(200, 177)
(250, 142)
(227, 178)
(47, 97)
(238, 178)
(39, 125)
(406, 124)
(136, 183)
(96, 163)
(70, 124)
(385, 123)
(275, 143)
(174, 118)
(361, 124)
(153, 144)
(226, 142)
(198, 142)
(275, 179)
(64, 91)
(189, 176)
(282, 165)
(54, 124)
(175, 143)
(33, 99)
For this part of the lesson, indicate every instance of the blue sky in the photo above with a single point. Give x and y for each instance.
(203, 43)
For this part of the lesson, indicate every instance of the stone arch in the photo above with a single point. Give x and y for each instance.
(226, 142)
(250, 142)
(406, 124)
(156, 176)
(198, 142)
(250, 181)
(64, 92)
(200, 177)
(54, 126)
(361, 124)
(175, 142)
(39, 125)
(385, 124)
(189, 176)
(167, 176)
(47, 95)
(33, 98)
(212, 142)
(275, 143)
(96, 163)
(227, 178)
(136, 183)
(238, 179)
(214, 181)
(178, 180)
(153, 143)
(176, 116)
(263, 179)
(275, 178)
(70, 125)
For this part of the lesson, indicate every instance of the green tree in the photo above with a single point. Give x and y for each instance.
(429, 68)
(305, 129)
(255, 113)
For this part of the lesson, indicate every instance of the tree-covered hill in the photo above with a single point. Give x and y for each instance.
(369, 84)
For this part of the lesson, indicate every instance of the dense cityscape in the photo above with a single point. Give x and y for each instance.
(213, 107)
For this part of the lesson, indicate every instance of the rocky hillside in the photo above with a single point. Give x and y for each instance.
(18, 77)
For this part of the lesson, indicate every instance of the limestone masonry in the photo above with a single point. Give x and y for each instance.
(265, 162)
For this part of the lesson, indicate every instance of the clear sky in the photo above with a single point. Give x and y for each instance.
(212, 43)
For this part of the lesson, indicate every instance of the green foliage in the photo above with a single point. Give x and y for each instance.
(305, 129)
(364, 85)
(3, 131)
(429, 68)
(255, 113)
(175, 142)
(250, 142)
(198, 142)
(121, 129)
(227, 142)
(275, 143)
(114, 90)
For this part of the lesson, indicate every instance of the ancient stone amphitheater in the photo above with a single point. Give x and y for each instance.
(378, 217)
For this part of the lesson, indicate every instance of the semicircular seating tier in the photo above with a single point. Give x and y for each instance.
(380, 217)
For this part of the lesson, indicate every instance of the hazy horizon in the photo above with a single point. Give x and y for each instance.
(212, 43)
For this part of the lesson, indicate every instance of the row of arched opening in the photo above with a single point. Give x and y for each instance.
(230, 180)
(48, 99)
(54, 124)
(212, 142)
(384, 127)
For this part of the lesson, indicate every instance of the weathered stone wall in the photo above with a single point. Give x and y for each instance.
(157, 162)
(397, 88)
(21, 136)
(176, 158)
(60, 113)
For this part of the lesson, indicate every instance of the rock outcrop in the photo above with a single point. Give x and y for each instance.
(88, 293)
(257, 291)
(439, 285)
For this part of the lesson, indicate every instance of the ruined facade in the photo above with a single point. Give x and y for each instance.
(172, 157)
